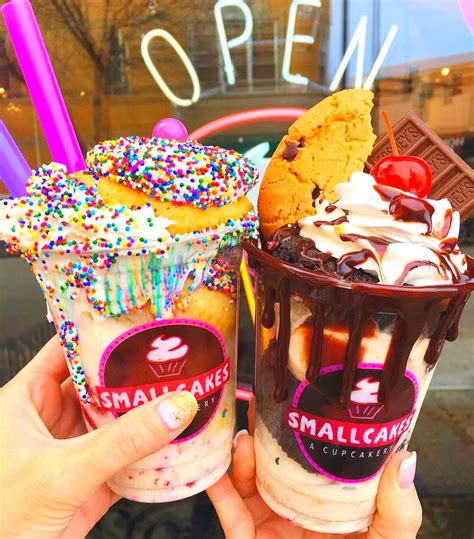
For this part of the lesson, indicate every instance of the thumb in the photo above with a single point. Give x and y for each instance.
(398, 507)
(137, 434)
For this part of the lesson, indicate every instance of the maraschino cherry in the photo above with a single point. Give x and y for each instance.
(406, 172)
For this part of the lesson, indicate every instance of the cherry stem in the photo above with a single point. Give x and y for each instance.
(391, 136)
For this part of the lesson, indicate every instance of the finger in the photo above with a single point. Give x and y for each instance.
(243, 477)
(48, 361)
(135, 435)
(243, 465)
(36, 403)
(398, 507)
(55, 406)
(91, 512)
(251, 415)
(47, 398)
(234, 516)
(37, 388)
(71, 423)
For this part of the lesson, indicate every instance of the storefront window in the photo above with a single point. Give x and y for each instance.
(123, 65)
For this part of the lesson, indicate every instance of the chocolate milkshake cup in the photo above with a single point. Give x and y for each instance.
(138, 259)
(360, 281)
(341, 373)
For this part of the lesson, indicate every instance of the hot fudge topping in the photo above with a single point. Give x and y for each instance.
(376, 233)
(288, 245)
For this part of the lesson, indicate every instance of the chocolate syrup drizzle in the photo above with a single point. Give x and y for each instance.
(338, 221)
(379, 245)
(407, 208)
(435, 310)
(410, 209)
(350, 261)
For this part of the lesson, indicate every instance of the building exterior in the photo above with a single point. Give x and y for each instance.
(110, 91)
(95, 47)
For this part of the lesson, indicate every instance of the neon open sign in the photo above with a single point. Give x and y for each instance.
(357, 43)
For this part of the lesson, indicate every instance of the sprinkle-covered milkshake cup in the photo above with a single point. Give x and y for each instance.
(138, 258)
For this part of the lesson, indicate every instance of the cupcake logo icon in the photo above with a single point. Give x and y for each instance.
(167, 356)
(364, 399)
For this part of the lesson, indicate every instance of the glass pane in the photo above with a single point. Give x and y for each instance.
(123, 65)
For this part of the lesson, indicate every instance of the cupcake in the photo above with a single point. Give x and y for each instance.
(197, 187)
(364, 400)
(168, 356)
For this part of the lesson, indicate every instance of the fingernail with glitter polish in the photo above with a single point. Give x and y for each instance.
(242, 432)
(177, 410)
(406, 473)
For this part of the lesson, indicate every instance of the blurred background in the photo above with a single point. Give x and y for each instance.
(415, 54)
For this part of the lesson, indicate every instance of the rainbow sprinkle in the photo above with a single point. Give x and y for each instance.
(219, 276)
(172, 171)
(69, 339)
(64, 215)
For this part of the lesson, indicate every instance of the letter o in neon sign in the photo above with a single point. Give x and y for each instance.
(144, 48)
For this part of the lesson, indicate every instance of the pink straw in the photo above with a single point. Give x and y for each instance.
(42, 84)
(14, 170)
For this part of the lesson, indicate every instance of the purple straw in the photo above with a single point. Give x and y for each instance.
(42, 84)
(14, 170)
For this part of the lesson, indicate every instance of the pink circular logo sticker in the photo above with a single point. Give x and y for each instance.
(167, 355)
(350, 445)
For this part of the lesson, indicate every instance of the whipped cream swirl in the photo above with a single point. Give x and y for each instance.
(64, 214)
(400, 238)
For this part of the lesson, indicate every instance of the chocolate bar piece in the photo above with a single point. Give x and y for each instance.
(453, 178)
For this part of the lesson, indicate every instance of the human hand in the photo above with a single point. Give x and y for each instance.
(243, 513)
(53, 473)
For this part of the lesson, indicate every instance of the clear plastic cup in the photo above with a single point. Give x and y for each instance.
(341, 373)
(142, 325)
